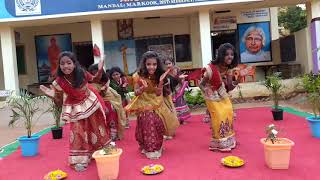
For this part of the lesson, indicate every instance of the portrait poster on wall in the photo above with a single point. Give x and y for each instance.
(121, 54)
(48, 48)
(125, 29)
(255, 42)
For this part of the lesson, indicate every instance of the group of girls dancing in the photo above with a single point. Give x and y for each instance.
(96, 105)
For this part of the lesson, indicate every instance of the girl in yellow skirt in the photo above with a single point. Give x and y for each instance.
(213, 86)
(154, 118)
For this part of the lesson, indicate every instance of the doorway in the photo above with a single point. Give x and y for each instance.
(84, 53)
(220, 37)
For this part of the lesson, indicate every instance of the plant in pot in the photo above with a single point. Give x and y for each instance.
(276, 150)
(311, 84)
(273, 84)
(107, 161)
(27, 109)
(56, 110)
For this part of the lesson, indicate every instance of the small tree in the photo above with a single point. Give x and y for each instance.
(273, 83)
(311, 83)
(56, 110)
(24, 107)
(293, 18)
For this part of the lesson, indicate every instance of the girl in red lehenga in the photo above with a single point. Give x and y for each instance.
(154, 118)
(82, 106)
(112, 100)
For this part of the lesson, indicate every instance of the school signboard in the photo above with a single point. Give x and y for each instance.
(27, 9)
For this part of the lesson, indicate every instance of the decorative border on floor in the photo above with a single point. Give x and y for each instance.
(296, 112)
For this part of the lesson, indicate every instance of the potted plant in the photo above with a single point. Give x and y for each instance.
(311, 84)
(56, 110)
(276, 150)
(24, 108)
(107, 161)
(273, 84)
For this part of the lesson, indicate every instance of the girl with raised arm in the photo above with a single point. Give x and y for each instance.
(82, 106)
(154, 118)
(214, 87)
(178, 84)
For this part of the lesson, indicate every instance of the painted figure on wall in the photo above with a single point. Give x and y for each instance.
(48, 48)
(53, 54)
(125, 29)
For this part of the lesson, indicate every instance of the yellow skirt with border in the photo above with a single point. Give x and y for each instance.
(223, 135)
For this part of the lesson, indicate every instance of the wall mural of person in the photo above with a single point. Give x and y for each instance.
(53, 55)
(255, 43)
(48, 48)
(125, 29)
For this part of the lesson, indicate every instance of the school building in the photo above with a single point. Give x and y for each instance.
(34, 32)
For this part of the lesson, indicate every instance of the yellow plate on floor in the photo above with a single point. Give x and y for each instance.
(232, 161)
(152, 169)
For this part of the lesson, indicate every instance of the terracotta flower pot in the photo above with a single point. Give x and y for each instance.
(277, 155)
(108, 165)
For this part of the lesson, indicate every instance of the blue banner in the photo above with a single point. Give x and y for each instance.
(26, 8)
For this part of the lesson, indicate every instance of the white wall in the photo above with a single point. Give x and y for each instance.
(149, 27)
(166, 25)
(303, 50)
(1, 71)
(195, 41)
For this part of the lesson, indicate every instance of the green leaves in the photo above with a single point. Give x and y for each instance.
(311, 84)
(56, 111)
(14, 118)
(293, 18)
(274, 84)
(194, 99)
(24, 107)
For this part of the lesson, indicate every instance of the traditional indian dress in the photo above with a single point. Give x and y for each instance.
(230, 83)
(122, 91)
(154, 118)
(220, 109)
(115, 99)
(112, 116)
(84, 108)
(177, 87)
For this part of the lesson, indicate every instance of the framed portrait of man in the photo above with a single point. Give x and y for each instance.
(48, 48)
(125, 29)
(255, 42)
